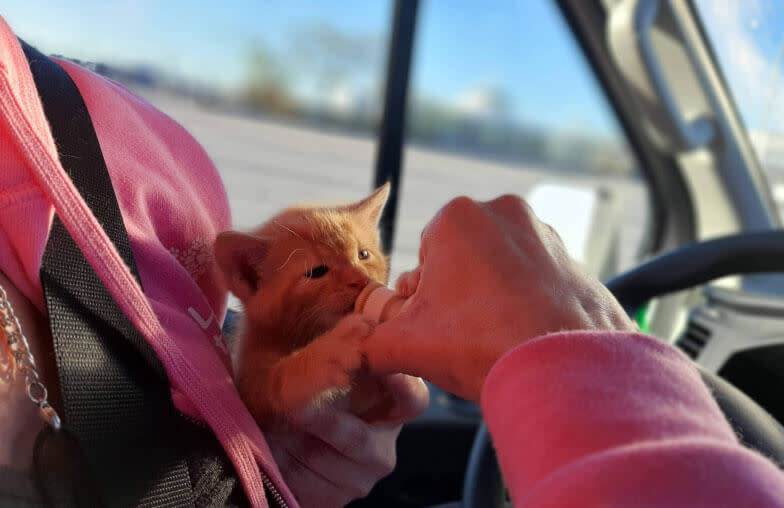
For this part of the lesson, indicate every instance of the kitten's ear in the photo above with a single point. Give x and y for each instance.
(239, 256)
(370, 208)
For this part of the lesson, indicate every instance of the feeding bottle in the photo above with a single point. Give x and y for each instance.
(379, 303)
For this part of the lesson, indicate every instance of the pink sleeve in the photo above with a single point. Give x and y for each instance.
(616, 419)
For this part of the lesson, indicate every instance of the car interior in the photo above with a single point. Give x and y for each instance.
(678, 213)
(714, 291)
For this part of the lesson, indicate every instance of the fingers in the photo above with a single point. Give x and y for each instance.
(371, 446)
(457, 213)
(318, 475)
(391, 348)
(329, 457)
(462, 218)
(410, 399)
(408, 282)
(511, 206)
(516, 211)
(463, 209)
(311, 489)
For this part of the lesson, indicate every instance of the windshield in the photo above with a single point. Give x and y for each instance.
(748, 39)
(286, 98)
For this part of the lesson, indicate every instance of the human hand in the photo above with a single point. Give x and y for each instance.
(491, 276)
(329, 456)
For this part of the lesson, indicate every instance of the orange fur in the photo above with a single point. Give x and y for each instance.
(299, 342)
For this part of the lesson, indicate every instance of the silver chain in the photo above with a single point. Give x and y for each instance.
(24, 362)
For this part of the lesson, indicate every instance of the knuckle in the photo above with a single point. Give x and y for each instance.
(453, 212)
(387, 464)
(361, 490)
(509, 199)
(457, 209)
(513, 209)
(512, 203)
(461, 201)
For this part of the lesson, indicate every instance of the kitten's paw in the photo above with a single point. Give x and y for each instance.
(408, 282)
(342, 348)
(354, 328)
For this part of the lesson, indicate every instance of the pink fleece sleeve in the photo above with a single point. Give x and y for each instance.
(616, 419)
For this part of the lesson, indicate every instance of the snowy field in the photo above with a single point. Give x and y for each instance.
(267, 166)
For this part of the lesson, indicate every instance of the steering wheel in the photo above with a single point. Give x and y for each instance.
(687, 267)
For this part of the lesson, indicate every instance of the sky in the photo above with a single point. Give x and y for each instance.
(748, 38)
(463, 47)
(520, 47)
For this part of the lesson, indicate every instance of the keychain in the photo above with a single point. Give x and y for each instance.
(56, 451)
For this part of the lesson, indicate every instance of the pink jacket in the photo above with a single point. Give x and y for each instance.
(614, 419)
(567, 429)
(173, 204)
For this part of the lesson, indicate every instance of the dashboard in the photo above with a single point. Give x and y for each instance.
(740, 336)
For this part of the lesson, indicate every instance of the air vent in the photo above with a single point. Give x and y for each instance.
(693, 340)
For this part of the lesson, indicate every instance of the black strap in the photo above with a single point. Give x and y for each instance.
(115, 394)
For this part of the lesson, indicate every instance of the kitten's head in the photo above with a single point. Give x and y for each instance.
(301, 271)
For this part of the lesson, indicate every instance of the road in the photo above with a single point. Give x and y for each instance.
(267, 165)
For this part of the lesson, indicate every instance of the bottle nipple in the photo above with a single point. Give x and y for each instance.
(379, 303)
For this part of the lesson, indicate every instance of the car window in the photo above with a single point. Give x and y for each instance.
(747, 37)
(286, 98)
(503, 101)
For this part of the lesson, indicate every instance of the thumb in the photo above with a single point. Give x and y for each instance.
(411, 397)
(391, 348)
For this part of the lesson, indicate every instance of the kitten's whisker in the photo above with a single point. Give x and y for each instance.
(288, 229)
(287, 260)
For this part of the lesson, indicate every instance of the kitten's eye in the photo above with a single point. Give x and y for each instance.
(363, 254)
(317, 272)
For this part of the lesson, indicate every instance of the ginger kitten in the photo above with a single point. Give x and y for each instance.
(297, 277)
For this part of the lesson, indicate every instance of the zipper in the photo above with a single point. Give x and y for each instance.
(268, 485)
(273, 491)
(193, 420)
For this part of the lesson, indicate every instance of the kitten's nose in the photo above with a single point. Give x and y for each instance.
(358, 280)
